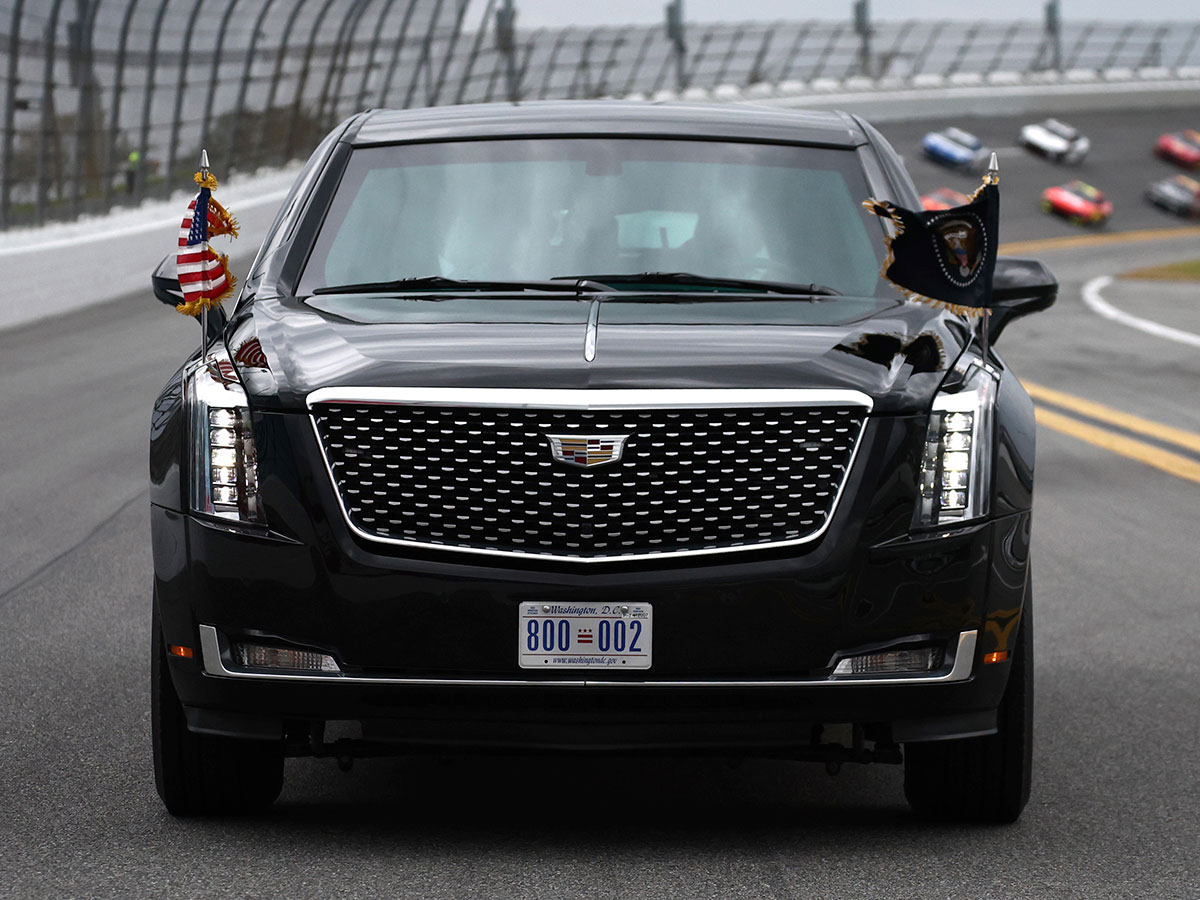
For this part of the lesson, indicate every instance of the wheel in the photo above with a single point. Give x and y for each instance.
(198, 774)
(982, 779)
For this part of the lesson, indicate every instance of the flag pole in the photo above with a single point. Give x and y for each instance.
(204, 310)
(991, 177)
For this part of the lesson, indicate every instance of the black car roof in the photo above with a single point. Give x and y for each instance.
(616, 118)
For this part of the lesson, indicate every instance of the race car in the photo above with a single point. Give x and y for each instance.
(1077, 201)
(955, 148)
(1055, 140)
(943, 198)
(1180, 147)
(1179, 194)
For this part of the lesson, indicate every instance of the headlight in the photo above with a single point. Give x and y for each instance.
(224, 479)
(957, 459)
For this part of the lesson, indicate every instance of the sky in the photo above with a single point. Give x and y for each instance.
(533, 13)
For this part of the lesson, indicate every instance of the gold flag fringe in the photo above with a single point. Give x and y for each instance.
(195, 307)
(227, 223)
(206, 180)
(886, 210)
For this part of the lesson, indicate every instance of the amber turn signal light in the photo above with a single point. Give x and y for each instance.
(183, 652)
(998, 656)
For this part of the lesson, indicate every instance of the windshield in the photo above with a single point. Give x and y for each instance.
(533, 210)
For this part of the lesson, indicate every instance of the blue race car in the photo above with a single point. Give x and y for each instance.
(955, 148)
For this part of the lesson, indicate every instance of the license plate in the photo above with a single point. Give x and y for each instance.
(609, 636)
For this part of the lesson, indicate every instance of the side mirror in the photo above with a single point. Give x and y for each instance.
(1019, 287)
(165, 282)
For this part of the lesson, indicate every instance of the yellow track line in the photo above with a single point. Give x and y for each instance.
(1100, 240)
(1172, 463)
(1101, 413)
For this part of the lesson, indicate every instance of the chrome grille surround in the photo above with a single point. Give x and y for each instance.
(469, 469)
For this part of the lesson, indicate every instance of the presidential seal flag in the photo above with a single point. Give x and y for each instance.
(946, 257)
(204, 275)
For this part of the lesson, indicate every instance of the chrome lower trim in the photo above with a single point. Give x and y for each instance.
(552, 398)
(214, 655)
(538, 398)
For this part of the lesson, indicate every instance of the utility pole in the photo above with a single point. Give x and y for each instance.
(862, 27)
(506, 43)
(676, 35)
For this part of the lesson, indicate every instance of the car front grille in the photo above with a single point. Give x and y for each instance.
(690, 480)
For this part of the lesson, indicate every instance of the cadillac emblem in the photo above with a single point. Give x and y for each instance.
(587, 450)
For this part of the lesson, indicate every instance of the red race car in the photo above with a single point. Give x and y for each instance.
(1077, 201)
(943, 198)
(1180, 147)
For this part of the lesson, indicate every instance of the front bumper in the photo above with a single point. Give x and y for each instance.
(742, 649)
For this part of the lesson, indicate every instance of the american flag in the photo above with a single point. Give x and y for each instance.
(203, 274)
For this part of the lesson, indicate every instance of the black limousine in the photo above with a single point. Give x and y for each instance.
(592, 427)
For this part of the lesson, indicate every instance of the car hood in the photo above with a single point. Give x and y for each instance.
(285, 349)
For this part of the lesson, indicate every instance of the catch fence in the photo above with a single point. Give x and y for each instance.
(109, 101)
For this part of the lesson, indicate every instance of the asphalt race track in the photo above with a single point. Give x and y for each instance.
(1116, 791)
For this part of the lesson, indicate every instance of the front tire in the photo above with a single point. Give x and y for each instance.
(981, 779)
(204, 774)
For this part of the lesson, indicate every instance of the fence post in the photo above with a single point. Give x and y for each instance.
(550, 63)
(1002, 48)
(361, 97)
(677, 35)
(1080, 43)
(647, 39)
(345, 68)
(727, 59)
(49, 116)
(1186, 51)
(834, 37)
(1054, 34)
(213, 75)
(345, 37)
(276, 75)
(139, 173)
(233, 152)
(506, 46)
(85, 131)
(10, 115)
(1115, 53)
(1152, 55)
(794, 52)
(423, 61)
(180, 90)
(919, 60)
(610, 62)
(755, 75)
(455, 34)
(862, 27)
(110, 141)
(289, 141)
(583, 68)
(386, 87)
(963, 50)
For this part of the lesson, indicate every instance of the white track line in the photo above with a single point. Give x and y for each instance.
(1097, 304)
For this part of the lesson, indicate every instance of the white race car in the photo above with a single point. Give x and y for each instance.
(1055, 140)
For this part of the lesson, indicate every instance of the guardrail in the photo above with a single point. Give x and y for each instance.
(108, 101)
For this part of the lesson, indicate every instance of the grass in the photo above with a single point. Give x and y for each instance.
(1180, 271)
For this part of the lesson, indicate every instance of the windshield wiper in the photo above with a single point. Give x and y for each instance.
(704, 281)
(441, 283)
